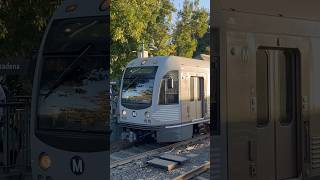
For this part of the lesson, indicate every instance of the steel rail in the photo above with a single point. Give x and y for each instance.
(156, 151)
(194, 172)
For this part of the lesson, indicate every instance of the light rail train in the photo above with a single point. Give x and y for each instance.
(165, 97)
(69, 99)
(265, 109)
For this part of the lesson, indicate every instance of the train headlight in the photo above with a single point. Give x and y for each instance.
(124, 112)
(147, 115)
(44, 161)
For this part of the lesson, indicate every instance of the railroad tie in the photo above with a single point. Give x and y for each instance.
(164, 164)
(167, 161)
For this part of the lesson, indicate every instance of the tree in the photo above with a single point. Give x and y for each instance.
(191, 25)
(203, 46)
(138, 22)
(22, 24)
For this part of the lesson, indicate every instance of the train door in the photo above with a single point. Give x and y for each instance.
(277, 93)
(197, 99)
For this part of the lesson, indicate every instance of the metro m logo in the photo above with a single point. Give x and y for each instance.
(77, 165)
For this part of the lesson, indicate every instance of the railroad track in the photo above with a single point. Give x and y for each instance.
(156, 151)
(196, 174)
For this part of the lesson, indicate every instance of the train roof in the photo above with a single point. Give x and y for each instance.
(308, 10)
(297, 18)
(81, 8)
(169, 61)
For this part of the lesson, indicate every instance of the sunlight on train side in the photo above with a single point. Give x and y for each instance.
(167, 98)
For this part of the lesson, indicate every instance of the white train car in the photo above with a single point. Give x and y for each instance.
(266, 115)
(69, 100)
(166, 97)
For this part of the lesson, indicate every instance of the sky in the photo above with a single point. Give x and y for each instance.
(203, 3)
(179, 3)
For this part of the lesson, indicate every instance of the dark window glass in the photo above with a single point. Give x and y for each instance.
(262, 88)
(287, 87)
(137, 87)
(73, 94)
(192, 79)
(162, 96)
(200, 88)
(169, 95)
(70, 35)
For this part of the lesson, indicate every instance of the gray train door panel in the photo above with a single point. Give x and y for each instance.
(264, 89)
(185, 97)
(192, 97)
(240, 107)
(277, 96)
(196, 97)
(310, 106)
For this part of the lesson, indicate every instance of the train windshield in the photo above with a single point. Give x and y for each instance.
(69, 35)
(74, 79)
(137, 87)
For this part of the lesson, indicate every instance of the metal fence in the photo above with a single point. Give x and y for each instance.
(15, 136)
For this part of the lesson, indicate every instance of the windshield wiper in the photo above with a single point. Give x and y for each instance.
(82, 29)
(131, 83)
(62, 77)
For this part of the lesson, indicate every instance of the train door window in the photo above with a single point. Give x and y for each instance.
(201, 98)
(200, 88)
(192, 79)
(169, 94)
(286, 75)
(262, 87)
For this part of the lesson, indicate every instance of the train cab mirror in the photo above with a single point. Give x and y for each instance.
(170, 83)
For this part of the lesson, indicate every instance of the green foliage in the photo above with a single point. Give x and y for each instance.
(192, 24)
(203, 46)
(21, 25)
(138, 22)
(133, 23)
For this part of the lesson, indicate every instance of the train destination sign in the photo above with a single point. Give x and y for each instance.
(9, 66)
(16, 66)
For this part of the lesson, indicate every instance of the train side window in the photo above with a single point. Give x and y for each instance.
(262, 86)
(169, 89)
(192, 88)
(162, 96)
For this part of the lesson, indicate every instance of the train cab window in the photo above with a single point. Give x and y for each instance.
(137, 87)
(262, 88)
(78, 101)
(169, 89)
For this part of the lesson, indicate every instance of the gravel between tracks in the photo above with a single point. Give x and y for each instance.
(198, 153)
